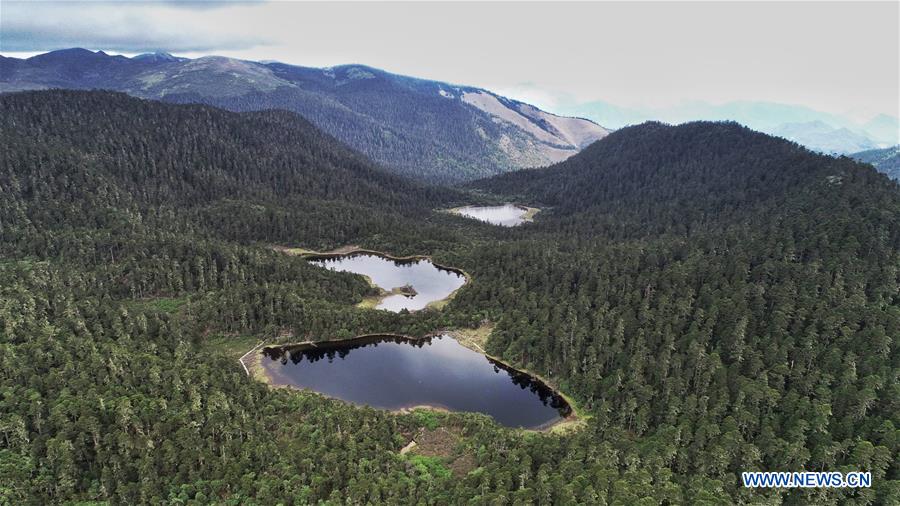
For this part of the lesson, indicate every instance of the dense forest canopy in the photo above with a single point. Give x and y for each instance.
(715, 300)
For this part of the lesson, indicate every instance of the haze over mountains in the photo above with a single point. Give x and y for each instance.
(429, 130)
(817, 130)
(426, 129)
(886, 160)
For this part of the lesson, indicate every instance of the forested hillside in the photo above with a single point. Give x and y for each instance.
(725, 298)
(714, 300)
(428, 130)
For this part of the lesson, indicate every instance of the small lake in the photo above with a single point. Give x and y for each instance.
(507, 215)
(424, 282)
(396, 373)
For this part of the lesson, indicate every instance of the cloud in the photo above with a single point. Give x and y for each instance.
(639, 55)
(127, 27)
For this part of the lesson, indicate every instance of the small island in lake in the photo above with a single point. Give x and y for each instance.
(411, 283)
(406, 290)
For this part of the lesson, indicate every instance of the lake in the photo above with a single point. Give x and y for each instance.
(508, 215)
(416, 283)
(396, 373)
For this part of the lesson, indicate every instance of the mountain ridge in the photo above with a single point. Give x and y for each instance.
(421, 128)
(885, 160)
(611, 177)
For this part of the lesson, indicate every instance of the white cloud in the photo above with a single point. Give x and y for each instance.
(837, 57)
(126, 27)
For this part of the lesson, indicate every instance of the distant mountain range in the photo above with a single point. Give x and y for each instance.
(819, 136)
(698, 176)
(885, 160)
(817, 130)
(429, 130)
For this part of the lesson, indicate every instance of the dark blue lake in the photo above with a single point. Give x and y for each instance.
(395, 373)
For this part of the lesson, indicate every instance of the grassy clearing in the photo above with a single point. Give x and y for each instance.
(474, 339)
(235, 347)
(343, 250)
(253, 362)
(567, 427)
(230, 346)
(370, 302)
(169, 305)
(529, 213)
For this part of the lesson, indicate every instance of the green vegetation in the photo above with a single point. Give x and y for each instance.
(164, 304)
(427, 418)
(714, 299)
(230, 346)
(429, 467)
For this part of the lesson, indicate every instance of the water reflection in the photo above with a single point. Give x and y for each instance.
(507, 215)
(392, 373)
(418, 282)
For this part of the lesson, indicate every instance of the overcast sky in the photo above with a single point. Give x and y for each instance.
(835, 57)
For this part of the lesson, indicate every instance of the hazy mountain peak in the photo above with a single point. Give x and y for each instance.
(208, 76)
(157, 56)
(886, 160)
(883, 128)
(820, 136)
(74, 52)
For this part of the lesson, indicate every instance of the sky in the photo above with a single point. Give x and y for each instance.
(837, 57)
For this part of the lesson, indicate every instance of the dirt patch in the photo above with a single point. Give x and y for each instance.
(445, 444)
(440, 442)
(462, 465)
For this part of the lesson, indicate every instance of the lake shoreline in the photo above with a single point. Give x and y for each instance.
(527, 217)
(258, 372)
(576, 416)
(372, 301)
